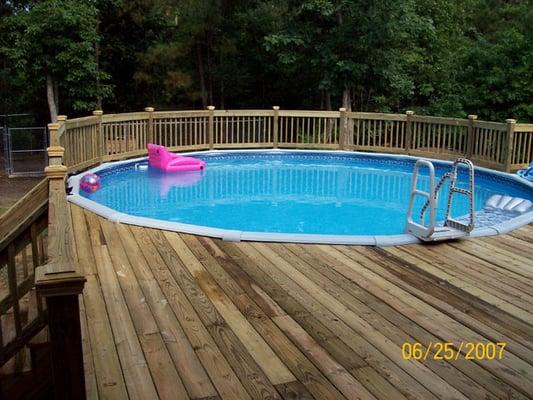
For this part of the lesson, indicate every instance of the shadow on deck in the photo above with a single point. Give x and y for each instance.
(176, 316)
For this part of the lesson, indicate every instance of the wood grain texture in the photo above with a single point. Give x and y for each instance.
(292, 321)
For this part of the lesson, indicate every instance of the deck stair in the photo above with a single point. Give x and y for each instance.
(451, 228)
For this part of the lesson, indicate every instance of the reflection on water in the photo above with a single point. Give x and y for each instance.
(167, 181)
(279, 196)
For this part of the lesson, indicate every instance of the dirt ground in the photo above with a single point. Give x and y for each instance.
(12, 189)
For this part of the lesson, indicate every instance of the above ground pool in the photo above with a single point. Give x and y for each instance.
(298, 196)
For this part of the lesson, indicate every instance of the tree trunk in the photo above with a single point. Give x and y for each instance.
(201, 72)
(51, 97)
(347, 104)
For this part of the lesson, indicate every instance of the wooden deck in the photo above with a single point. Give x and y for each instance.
(177, 316)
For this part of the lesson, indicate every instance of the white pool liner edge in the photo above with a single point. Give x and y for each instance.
(235, 235)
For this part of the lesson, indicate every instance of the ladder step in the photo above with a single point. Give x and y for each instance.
(444, 233)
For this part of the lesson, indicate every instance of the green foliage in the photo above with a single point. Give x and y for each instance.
(440, 57)
(55, 38)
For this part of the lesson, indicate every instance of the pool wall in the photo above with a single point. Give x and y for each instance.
(237, 235)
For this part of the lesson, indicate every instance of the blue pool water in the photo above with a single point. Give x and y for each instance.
(286, 192)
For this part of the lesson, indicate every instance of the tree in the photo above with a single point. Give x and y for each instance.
(54, 49)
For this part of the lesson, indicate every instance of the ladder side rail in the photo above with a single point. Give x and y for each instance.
(412, 226)
(437, 191)
(449, 221)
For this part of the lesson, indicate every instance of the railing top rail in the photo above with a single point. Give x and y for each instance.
(124, 117)
(308, 113)
(377, 116)
(180, 114)
(498, 126)
(523, 128)
(14, 218)
(242, 113)
(81, 122)
(440, 120)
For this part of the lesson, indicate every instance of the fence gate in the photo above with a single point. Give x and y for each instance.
(25, 150)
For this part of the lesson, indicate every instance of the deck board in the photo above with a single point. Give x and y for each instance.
(168, 315)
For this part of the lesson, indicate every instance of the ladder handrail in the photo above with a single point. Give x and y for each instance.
(430, 196)
(449, 221)
(437, 190)
(426, 232)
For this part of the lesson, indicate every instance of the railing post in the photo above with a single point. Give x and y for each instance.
(471, 133)
(150, 127)
(210, 126)
(275, 127)
(100, 133)
(61, 291)
(61, 119)
(343, 128)
(59, 283)
(509, 149)
(409, 130)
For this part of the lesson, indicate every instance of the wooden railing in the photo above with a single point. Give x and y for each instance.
(504, 146)
(22, 250)
(42, 284)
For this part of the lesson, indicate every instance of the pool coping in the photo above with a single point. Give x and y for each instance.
(236, 235)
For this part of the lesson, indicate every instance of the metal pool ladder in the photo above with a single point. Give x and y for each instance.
(451, 228)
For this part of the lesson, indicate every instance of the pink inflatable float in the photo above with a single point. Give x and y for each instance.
(159, 157)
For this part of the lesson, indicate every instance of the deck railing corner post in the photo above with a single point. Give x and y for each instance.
(210, 126)
(99, 133)
(343, 128)
(61, 292)
(509, 149)
(409, 131)
(275, 127)
(471, 135)
(150, 125)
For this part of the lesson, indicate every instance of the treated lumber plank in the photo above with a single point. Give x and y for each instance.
(493, 250)
(272, 366)
(267, 305)
(81, 237)
(108, 372)
(135, 369)
(383, 318)
(256, 315)
(293, 391)
(179, 345)
(469, 288)
(525, 233)
(511, 369)
(473, 271)
(480, 375)
(248, 371)
(220, 372)
(500, 314)
(511, 244)
(425, 376)
(382, 389)
(91, 387)
(344, 381)
(279, 287)
(166, 379)
(443, 298)
(295, 360)
(246, 368)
